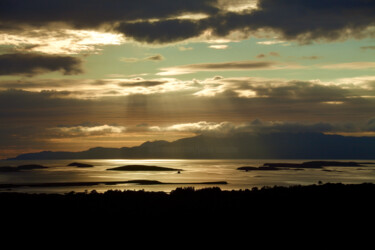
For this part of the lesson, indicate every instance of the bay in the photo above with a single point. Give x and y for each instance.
(193, 171)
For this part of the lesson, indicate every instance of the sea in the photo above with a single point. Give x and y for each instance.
(197, 174)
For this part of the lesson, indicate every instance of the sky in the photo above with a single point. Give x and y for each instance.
(115, 73)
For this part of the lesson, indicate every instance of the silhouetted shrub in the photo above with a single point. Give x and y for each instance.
(333, 202)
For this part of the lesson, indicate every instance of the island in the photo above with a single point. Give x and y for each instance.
(95, 183)
(314, 164)
(80, 165)
(9, 169)
(31, 167)
(250, 168)
(302, 166)
(142, 168)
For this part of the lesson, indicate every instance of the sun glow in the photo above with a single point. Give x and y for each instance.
(60, 41)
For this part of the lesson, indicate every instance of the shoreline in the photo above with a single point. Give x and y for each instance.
(301, 204)
(96, 183)
(189, 189)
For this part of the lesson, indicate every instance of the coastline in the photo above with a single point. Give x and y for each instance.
(319, 199)
(58, 177)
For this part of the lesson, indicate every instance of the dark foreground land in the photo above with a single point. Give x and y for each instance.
(314, 204)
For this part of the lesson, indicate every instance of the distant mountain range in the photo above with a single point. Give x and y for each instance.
(235, 146)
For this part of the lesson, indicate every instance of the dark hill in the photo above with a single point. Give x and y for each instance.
(245, 145)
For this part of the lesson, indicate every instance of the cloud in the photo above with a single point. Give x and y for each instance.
(198, 127)
(367, 47)
(311, 57)
(299, 21)
(39, 84)
(271, 42)
(235, 65)
(143, 83)
(182, 48)
(41, 103)
(259, 126)
(20, 138)
(262, 127)
(154, 58)
(160, 32)
(192, 68)
(304, 21)
(130, 59)
(169, 21)
(245, 65)
(351, 65)
(31, 117)
(338, 92)
(94, 13)
(370, 126)
(218, 46)
(225, 66)
(256, 126)
(140, 86)
(84, 130)
(152, 101)
(34, 64)
(272, 53)
(96, 89)
(341, 91)
(55, 40)
(237, 5)
(31, 136)
(59, 27)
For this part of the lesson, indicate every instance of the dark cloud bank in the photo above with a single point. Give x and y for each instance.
(295, 20)
(33, 64)
(93, 13)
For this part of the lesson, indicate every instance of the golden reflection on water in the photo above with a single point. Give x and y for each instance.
(194, 171)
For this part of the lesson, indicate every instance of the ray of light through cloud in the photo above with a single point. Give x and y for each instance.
(125, 72)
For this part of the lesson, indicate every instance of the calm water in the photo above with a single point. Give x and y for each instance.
(194, 171)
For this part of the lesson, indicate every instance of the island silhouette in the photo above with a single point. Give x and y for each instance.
(304, 165)
(21, 168)
(142, 168)
(80, 165)
(233, 146)
(95, 183)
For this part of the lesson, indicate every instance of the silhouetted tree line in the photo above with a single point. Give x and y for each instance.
(333, 203)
